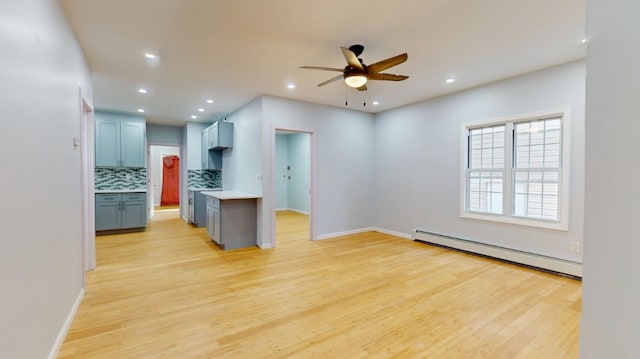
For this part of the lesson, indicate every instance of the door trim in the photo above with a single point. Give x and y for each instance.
(87, 184)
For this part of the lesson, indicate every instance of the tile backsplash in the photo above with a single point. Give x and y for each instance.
(116, 178)
(205, 179)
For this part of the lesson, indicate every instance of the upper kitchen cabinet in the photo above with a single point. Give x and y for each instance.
(219, 136)
(120, 140)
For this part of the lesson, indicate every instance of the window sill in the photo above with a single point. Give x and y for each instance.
(557, 226)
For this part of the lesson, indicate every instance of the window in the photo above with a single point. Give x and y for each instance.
(513, 170)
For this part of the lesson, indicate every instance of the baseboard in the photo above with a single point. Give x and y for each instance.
(65, 327)
(543, 262)
(345, 233)
(392, 233)
(292, 210)
(265, 245)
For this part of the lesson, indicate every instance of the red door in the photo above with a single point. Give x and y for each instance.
(170, 181)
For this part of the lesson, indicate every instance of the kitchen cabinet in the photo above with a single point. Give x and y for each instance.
(197, 208)
(120, 140)
(219, 136)
(231, 222)
(120, 210)
(211, 159)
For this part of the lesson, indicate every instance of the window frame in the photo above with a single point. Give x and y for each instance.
(508, 200)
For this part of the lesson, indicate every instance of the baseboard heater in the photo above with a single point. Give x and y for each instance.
(550, 264)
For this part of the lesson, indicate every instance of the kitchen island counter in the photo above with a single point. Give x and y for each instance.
(225, 195)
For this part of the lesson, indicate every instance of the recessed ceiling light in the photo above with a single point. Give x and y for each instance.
(584, 40)
(209, 101)
(141, 110)
(141, 90)
(450, 81)
(291, 86)
(201, 110)
(150, 56)
(375, 103)
(194, 117)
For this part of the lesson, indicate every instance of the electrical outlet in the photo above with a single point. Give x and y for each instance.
(575, 247)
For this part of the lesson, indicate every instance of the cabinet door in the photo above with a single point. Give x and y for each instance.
(213, 136)
(133, 144)
(134, 214)
(108, 215)
(107, 143)
(209, 212)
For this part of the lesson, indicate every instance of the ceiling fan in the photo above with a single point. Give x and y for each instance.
(356, 73)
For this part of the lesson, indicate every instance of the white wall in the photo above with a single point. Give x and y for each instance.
(41, 70)
(418, 157)
(610, 316)
(344, 163)
(156, 168)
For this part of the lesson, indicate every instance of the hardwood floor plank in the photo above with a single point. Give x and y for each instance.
(169, 292)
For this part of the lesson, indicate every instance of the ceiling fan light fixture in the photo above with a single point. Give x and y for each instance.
(355, 81)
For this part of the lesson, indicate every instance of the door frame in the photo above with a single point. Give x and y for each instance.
(312, 179)
(87, 186)
(150, 192)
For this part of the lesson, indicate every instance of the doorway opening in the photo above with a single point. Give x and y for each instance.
(293, 179)
(164, 180)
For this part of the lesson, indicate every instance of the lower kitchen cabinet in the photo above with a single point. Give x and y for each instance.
(121, 210)
(231, 223)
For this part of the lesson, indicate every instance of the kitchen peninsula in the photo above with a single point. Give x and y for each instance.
(232, 218)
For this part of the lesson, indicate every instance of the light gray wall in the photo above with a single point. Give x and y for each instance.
(344, 162)
(242, 164)
(299, 158)
(610, 316)
(417, 154)
(164, 135)
(41, 70)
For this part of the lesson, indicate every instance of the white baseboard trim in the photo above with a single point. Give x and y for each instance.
(265, 245)
(512, 255)
(345, 233)
(392, 233)
(65, 327)
(292, 210)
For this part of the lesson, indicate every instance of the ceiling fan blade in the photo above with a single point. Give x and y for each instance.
(388, 77)
(388, 63)
(322, 68)
(351, 58)
(337, 78)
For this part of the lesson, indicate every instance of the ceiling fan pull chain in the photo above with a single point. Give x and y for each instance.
(364, 99)
(346, 100)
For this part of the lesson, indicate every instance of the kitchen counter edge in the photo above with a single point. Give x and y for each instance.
(223, 195)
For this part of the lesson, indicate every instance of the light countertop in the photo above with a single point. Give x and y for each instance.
(139, 190)
(204, 189)
(222, 195)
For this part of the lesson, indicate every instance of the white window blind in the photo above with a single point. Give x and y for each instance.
(536, 170)
(485, 174)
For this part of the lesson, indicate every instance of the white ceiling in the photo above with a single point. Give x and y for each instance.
(233, 51)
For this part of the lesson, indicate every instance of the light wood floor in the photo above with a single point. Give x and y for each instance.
(169, 293)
